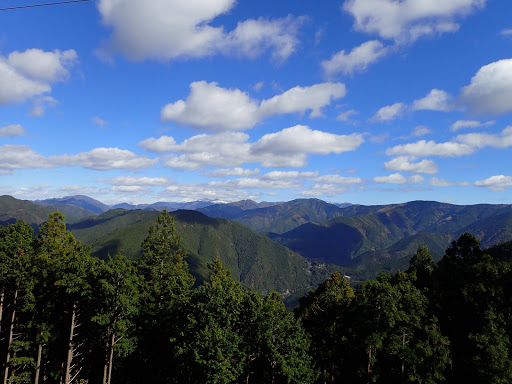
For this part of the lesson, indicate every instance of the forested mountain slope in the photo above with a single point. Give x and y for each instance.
(364, 239)
(12, 210)
(277, 218)
(384, 234)
(254, 260)
(79, 201)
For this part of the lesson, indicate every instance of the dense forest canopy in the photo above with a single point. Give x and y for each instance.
(66, 317)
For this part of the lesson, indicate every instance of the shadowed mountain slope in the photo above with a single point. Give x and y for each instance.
(254, 260)
(384, 234)
(277, 218)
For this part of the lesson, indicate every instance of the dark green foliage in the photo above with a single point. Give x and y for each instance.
(254, 260)
(421, 267)
(233, 334)
(213, 345)
(326, 316)
(78, 318)
(501, 251)
(470, 292)
(16, 244)
(395, 332)
(165, 289)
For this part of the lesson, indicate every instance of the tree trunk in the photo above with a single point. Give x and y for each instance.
(369, 359)
(67, 375)
(111, 358)
(107, 352)
(105, 371)
(39, 350)
(249, 360)
(332, 373)
(1, 307)
(13, 318)
(38, 362)
(369, 362)
(403, 358)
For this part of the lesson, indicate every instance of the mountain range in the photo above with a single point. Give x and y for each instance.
(288, 246)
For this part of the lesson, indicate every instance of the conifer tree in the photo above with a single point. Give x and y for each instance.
(16, 244)
(74, 275)
(116, 303)
(165, 289)
(213, 346)
(285, 345)
(325, 314)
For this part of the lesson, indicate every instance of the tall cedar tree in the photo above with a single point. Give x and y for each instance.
(165, 289)
(474, 312)
(394, 330)
(116, 300)
(65, 314)
(325, 315)
(16, 301)
(213, 344)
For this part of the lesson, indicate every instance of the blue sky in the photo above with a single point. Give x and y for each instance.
(361, 101)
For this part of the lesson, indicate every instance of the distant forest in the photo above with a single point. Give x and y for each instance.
(67, 317)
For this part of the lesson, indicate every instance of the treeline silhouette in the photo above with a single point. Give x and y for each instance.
(68, 317)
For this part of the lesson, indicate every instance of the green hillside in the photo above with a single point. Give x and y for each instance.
(12, 210)
(385, 237)
(492, 230)
(254, 260)
(233, 210)
(362, 240)
(284, 217)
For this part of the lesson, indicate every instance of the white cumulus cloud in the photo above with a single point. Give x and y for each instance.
(460, 124)
(160, 145)
(404, 163)
(104, 159)
(31, 73)
(212, 108)
(138, 181)
(169, 29)
(301, 99)
(390, 112)
(21, 157)
(425, 148)
(496, 183)
(302, 139)
(481, 140)
(408, 20)
(12, 130)
(227, 149)
(357, 60)
(129, 188)
(397, 178)
(436, 100)
(237, 171)
(490, 90)
(289, 147)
